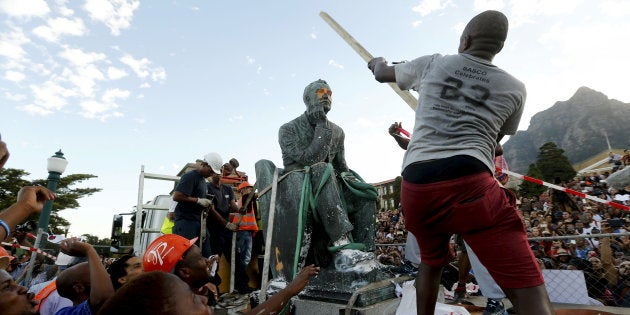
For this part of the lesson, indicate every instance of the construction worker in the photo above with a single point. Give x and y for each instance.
(247, 227)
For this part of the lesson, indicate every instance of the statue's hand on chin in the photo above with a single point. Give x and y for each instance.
(317, 115)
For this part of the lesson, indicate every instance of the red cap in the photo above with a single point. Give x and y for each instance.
(164, 253)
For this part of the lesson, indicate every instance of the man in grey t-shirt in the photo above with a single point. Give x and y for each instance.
(466, 105)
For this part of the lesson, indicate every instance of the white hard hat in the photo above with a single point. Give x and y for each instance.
(215, 161)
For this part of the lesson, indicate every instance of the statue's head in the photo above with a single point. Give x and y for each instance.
(317, 93)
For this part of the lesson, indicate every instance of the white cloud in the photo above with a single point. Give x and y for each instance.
(11, 44)
(145, 85)
(313, 35)
(14, 97)
(527, 11)
(335, 64)
(259, 70)
(24, 8)
(80, 58)
(158, 74)
(235, 118)
(416, 23)
(99, 110)
(114, 73)
(250, 60)
(62, 8)
(85, 78)
(60, 26)
(616, 8)
(141, 67)
(14, 76)
(112, 95)
(35, 110)
(43, 69)
(482, 5)
(50, 95)
(115, 14)
(427, 7)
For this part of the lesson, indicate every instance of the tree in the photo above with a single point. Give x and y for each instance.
(529, 189)
(397, 185)
(553, 164)
(11, 180)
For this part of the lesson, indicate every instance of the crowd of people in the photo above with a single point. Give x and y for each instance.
(604, 260)
(173, 276)
(390, 237)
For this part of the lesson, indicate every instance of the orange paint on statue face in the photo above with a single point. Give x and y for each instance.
(324, 97)
(320, 93)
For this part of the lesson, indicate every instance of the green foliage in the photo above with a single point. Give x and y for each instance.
(397, 185)
(528, 189)
(11, 180)
(553, 164)
(395, 195)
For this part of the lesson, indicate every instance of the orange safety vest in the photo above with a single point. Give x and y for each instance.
(248, 221)
(44, 293)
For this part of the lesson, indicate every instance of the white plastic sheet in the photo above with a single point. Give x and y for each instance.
(407, 304)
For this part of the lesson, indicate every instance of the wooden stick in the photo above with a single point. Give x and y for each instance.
(405, 95)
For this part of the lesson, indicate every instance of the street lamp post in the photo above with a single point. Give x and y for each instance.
(56, 166)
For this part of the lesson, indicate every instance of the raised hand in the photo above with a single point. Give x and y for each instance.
(32, 198)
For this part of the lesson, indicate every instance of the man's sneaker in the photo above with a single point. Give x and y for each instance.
(406, 269)
(459, 294)
(495, 307)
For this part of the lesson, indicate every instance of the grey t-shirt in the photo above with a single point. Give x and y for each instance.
(464, 103)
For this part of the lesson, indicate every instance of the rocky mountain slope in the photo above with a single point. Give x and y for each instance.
(576, 125)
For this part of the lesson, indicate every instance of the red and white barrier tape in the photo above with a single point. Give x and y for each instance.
(32, 249)
(567, 190)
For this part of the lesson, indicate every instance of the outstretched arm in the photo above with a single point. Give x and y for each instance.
(381, 70)
(280, 299)
(30, 200)
(101, 287)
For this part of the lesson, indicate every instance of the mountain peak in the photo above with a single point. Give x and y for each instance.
(589, 96)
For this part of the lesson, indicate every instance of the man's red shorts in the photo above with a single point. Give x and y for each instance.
(481, 211)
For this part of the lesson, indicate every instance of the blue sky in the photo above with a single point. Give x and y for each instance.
(117, 84)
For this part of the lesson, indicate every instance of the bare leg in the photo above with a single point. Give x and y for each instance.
(427, 286)
(463, 265)
(532, 300)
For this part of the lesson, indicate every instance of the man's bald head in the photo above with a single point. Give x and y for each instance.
(74, 282)
(486, 31)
